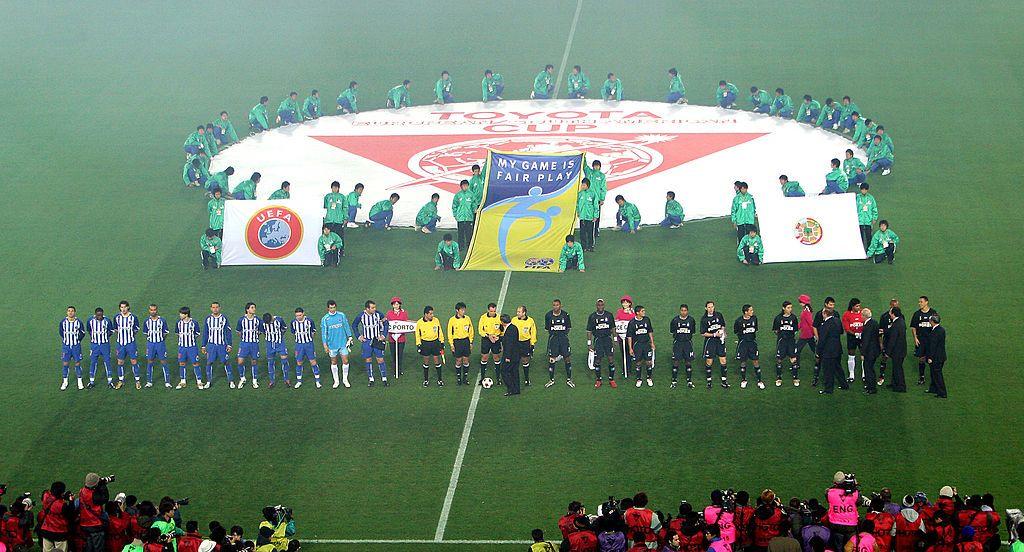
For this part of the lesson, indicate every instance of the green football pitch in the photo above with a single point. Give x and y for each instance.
(99, 97)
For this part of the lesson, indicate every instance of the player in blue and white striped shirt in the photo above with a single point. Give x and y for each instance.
(100, 329)
(126, 326)
(249, 328)
(371, 328)
(156, 330)
(71, 331)
(217, 343)
(274, 329)
(303, 329)
(188, 330)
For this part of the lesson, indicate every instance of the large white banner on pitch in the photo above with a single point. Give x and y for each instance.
(280, 232)
(814, 228)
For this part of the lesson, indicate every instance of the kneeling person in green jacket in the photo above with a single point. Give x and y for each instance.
(329, 246)
(750, 250)
(426, 218)
(210, 248)
(381, 213)
(284, 192)
(883, 244)
(628, 217)
(447, 256)
(572, 256)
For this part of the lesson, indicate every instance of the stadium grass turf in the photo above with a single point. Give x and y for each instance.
(100, 97)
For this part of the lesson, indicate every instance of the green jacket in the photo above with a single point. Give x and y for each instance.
(630, 212)
(586, 204)
(860, 130)
(324, 244)
(612, 89)
(598, 182)
(169, 527)
(219, 180)
(826, 114)
(780, 103)
(847, 110)
(759, 98)
(336, 205)
(288, 104)
(578, 82)
(380, 206)
(881, 240)
(248, 188)
(426, 214)
(839, 177)
(210, 143)
(487, 85)
(353, 199)
(729, 87)
(851, 165)
(312, 103)
(570, 251)
(228, 128)
(464, 205)
(208, 244)
(806, 108)
(442, 87)
(675, 84)
(743, 209)
(448, 249)
(351, 95)
(869, 135)
(399, 96)
(878, 151)
(867, 209)
(216, 210)
(258, 114)
(280, 194)
(195, 139)
(886, 139)
(673, 207)
(790, 187)
(542, 82)
(746, 243)
(476, 185)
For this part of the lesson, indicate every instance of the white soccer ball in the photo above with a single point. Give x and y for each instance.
(486, 383)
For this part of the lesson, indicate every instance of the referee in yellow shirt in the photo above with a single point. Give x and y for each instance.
(460, 337)
(527, 339)
(490, 342)
(429, 343)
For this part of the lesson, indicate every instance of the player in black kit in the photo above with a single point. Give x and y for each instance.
(600, 325)
(785, 328)
(712, 327)
(557, 323)
(682, 328)
(921, 328)
(640, 340)
(745, 328)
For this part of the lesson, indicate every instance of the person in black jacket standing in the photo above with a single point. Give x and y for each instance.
(895, 348)
(871, 349)
(830, 349)
(510, 355)
(937, 356)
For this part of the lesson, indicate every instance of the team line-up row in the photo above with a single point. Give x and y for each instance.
(629, 327)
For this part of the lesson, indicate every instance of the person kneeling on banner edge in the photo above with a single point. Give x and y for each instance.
(883, 244)
(380, 213)
(275, 530)
(426, 218)
(628, 217)
(447, 257)
(572, 256)
(673, 212)
(329, 246)
(751, 250)
(790, 188)
(210, 246)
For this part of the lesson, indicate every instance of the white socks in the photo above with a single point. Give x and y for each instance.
(344, 374)
(851, 363)
(334, 373)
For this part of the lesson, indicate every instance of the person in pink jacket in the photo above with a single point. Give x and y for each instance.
(397, 345)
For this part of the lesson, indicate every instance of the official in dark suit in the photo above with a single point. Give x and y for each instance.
(870, 349)
(830, 349)
(510, 355)
(894, 344)
(937, 356)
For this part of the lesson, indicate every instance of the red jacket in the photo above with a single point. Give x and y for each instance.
(765, 529)
(189, 542)
(741, 518)
(884, 523)
(15, 532)
(153, 547)
(692, 543)
(583, 541)
(943, 537)
(567, 525)
(53, 517)
(986, 524)
(970, 546)
(639, 520)
(908, 533)
(117, 532)
(90, 507)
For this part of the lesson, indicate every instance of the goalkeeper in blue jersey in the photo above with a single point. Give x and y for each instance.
(336, 333)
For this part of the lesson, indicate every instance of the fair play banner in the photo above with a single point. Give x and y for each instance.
(645, 148)
(262, 232)
(813, 228)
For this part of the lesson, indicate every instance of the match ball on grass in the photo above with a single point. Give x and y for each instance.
(486, 383)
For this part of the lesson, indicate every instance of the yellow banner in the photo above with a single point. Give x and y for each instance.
(528, 208)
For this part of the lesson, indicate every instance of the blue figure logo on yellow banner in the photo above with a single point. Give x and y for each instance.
(529, 206)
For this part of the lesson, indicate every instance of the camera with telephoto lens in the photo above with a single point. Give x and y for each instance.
(182, 501)
(107, 480)
(283, 512)
(849, 484)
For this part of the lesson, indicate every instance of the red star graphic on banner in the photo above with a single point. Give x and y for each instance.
(443, 160)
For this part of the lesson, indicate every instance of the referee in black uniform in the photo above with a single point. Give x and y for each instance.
(510, 355)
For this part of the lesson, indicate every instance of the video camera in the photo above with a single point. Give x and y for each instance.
(728, 500)
(609, 507)
(849, 484)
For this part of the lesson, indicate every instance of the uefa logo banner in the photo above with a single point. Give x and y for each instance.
(280, 232)
(645, 149)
